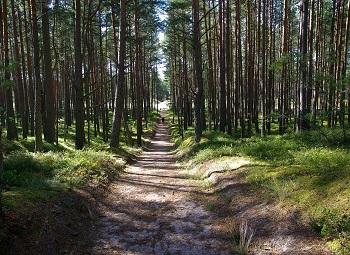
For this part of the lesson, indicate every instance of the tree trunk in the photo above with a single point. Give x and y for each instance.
(10, 113)
(1, 113)
(1, 165)
(228, 68)
(221, 54)
(118, 105)
(198, 70)
(38, 86)
(302, 109)
(263, 70)
(331, 69)
(250, 69)
(344, 66)
(79, 88)
(18, 73)
(138, 82)
(50, 102)
(31, 92)
(283, 83)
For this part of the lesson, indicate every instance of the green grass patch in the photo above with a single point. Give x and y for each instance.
(309, 170)
(21, 196)
(60, 166)
(53, 169)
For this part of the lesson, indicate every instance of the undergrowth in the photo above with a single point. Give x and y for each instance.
(60, 167)
(48, 197)
(309, 170)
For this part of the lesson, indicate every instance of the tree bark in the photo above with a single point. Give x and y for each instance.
(29, 57)
(303, 123)
(198, 101)
(38, 86)
(138, 82)
(10, 113)
(263, 72)
(50, 102)
(1, 165)
(118, 105)
(221, 55)
(344, 67)
(79, 88)
(18, 73)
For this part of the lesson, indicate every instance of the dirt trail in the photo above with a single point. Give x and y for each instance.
(152, 209)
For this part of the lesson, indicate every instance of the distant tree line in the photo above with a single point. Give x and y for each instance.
(60, 66)
(242, 66)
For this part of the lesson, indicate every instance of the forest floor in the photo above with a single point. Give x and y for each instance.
(154, 208)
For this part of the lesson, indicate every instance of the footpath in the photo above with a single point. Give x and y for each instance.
(152, 209)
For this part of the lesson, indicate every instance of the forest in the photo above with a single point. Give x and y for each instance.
(250, 64)
(265, 79)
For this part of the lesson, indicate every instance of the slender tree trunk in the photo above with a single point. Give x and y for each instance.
(10, 113)
(18, 73)
(302, 109)
(1, 113)
(317, 65)
(250, 69)
(118, 105)
(344, 66)
(263, 72)
(211, 85)
(50, 102)
(229, 65)
(331, 91)
(25, 117)
(31, 92)
(38, 85)
(223, 94)
(241, 93)
(138, 82)
(198, 101)
(1, 165)
(284, 81)
(79, 88)
(257, 70)
(311, 65)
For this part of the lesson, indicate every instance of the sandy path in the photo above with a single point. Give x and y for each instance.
(152, 209)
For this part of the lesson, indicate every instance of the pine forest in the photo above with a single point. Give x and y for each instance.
(87, 86)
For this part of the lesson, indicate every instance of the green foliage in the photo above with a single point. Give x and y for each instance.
(24, 196)
(6, 84)
(278, 64)
(60, 166)
(309, 170)
(45, 170)
(29, 170)
(334, 224)
(82, 167)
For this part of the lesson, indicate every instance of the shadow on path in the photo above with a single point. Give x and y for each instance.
(152, 209)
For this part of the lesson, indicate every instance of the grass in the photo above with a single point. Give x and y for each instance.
(55, 169)
(309, 170)
(60, 167)
(36, 185)
(245, 237)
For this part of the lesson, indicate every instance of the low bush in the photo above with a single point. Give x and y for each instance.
(41, 170)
